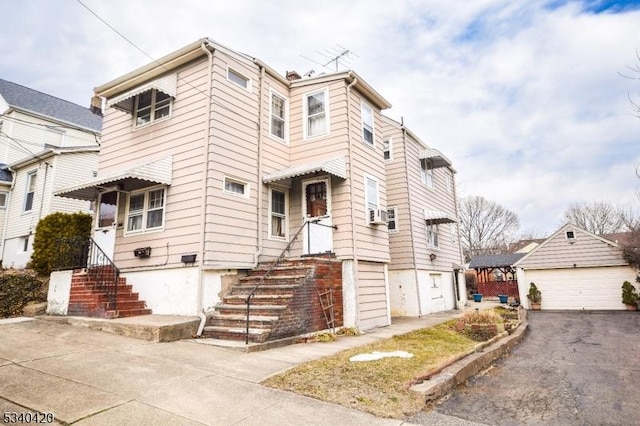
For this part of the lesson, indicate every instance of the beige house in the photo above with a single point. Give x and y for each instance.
(425, 272)
(211, 162)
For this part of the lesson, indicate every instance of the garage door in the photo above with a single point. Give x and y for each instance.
(581, 288)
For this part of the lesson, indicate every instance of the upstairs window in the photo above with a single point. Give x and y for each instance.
(3, 199)
(30, 191)
(371, 195)
(152, 106)
(387, 149)
(239, 79)
(367, 124)
(392, 224)
(448, 183)
(426, 172)
(315, 112)
(278, 125)
(235, 187)
(146, 210)
(278, 225)
(432, 235)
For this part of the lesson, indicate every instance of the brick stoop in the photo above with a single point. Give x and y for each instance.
(285, 305)
(88, 299)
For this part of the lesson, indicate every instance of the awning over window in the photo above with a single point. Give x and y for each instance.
(437, 158)
(437, 217)
(335, 166)
(124, 102)
(156, 173)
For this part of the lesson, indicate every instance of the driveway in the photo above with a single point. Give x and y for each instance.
(571, 369)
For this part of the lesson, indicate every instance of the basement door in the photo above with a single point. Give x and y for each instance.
(105, 233)
(316, 210)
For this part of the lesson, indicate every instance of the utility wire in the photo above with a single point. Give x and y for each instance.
(28, 151)
(213, 101)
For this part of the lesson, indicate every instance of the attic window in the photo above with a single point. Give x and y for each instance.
(570, 235)
(239, 79)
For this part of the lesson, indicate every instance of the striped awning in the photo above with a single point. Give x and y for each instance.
(156, 173)
(125, 101)
(438, 216)
(437, 158)
(334, 166)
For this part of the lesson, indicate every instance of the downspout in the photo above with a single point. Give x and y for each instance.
(462, 262)
(351, 206)
(413, 248)
(258, 252)
(6, 215)
(205, 172)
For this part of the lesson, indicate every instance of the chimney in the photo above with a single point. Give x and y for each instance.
(293, 75)
(96, 105)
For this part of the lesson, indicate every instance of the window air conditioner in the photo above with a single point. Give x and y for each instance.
(377, 216)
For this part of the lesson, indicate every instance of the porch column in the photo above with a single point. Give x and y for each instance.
(350, 292)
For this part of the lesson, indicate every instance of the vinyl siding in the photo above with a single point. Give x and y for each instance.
(69, 169)
(21, 223)
(586, 251)
(372, 295)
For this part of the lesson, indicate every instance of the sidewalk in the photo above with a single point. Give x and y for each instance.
(88, 377)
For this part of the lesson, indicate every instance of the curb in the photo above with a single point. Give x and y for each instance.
(477, 360)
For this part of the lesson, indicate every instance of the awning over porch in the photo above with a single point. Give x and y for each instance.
(437, 158)
(124, 102)
(437, 217)
(159, 172)
(334, 166)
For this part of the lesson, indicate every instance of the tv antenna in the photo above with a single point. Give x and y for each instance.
(333, 58)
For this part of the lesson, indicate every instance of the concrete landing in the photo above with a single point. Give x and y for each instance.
(154, 328)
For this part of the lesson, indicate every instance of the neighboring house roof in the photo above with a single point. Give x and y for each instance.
(494, 260)
(29, 100)
(525, 246)
(620, 238)
(5, 174)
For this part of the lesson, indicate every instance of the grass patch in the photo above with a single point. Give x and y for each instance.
(378, 387)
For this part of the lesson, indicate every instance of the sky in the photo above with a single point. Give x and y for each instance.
(527, 98)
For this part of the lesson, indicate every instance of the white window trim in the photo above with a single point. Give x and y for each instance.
(6, 200)
(395, 219)
(305, 109)
(364, 105)
(26, 191)
(286, 117)
(390, 149)
(566, 234)
(366, 197)
(437, 233)
(270, 236)
(241, 75)
(145, 210)
(152, 119)
(247, 187)
(427, 172)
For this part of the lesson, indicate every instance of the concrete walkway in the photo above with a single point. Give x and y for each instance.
(89, 377)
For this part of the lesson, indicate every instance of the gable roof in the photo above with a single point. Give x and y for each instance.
(494, 260)
(29, 100)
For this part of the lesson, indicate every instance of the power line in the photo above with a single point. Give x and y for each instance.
(213, 101)
(28, 151)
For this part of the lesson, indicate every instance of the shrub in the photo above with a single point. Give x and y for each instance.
(535, 296)
(481, 317)
(629, 295)
(48, 233)
(17, 289)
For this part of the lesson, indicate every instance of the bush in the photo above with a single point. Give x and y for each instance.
(17, 289)
(48, 233)
(481, 317)
(535, 295)
(629, 295)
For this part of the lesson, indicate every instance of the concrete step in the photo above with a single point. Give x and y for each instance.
(267, 310)
(258, 299)
(227, 333)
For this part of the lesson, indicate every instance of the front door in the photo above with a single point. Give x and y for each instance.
(105, 232)
(316, 208)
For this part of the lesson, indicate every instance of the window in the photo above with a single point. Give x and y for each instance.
(426, 172)
(387, 148)
(146, 210)
(237, 78)
(25, 244)
(4, 196)
(30, 192)
(570, 235)
(278, 125)
(370, 195)
(448, 183)
(278, 225)
(432, 235)
(151, 106)
(367, 124)
(316, 114)
(236, 187)
(392, 224)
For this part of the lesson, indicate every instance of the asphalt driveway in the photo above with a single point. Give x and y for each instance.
(571, 369)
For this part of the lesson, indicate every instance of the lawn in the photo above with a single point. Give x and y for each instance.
(379, 387)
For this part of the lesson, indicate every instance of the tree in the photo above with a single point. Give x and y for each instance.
(599, 217)
(485, 226)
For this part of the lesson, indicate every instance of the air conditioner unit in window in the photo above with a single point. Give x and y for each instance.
(378, 216)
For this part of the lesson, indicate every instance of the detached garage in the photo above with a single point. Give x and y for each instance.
(575, 270)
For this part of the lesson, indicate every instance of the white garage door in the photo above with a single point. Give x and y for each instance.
(581, 288)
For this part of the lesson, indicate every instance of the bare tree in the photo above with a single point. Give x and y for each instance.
(485, 226)
(599, 217)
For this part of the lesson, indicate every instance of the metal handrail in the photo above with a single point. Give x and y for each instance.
(273, 265)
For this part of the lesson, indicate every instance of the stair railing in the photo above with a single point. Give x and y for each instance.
(84, 253)
(271, 268)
